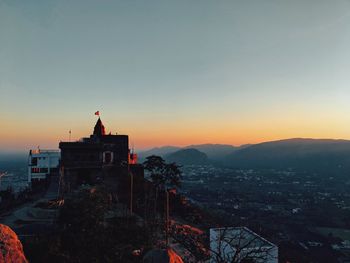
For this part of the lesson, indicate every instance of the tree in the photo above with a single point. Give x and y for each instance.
(240, 245)
(173, 175)
(227, 245)
(155, 165)
(163, 174)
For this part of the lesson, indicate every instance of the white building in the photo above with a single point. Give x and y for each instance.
(42, 163)
(240, 244)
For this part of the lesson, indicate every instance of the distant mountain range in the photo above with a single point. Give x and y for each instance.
(187, 156)
(301, 154)
(160, 151)
(322, 155)
(213, 151)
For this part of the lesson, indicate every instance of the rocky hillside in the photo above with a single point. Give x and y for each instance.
(10, 246)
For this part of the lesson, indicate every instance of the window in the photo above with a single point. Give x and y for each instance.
(35, 170)
(34, 161)
(39, 170)
(107, 157)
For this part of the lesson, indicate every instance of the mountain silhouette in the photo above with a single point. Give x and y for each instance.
(213, 151)
(324, 155)
(187, 157)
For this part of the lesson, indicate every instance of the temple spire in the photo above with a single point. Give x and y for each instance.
(99, 129)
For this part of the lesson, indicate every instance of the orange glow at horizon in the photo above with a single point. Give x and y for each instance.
(142, 142)
(147, 133)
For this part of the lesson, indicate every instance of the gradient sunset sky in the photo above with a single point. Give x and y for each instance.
(173, 72)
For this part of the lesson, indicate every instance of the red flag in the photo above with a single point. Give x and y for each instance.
(97, 113)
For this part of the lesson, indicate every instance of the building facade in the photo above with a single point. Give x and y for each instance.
(42, 163)
(100, 157)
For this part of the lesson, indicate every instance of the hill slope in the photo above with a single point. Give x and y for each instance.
(159, 151)
(214, 151)
(187, 157)
(303, 154)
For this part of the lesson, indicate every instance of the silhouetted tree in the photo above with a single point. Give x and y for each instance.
(155, 165)
(173, 175)
(241, 246)
(163, 176)
(228, 247)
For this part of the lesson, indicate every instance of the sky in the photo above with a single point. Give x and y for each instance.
(173, 72)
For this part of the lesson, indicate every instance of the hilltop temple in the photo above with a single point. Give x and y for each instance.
(100, 157)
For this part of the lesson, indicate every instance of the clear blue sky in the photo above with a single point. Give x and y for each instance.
(174, 72)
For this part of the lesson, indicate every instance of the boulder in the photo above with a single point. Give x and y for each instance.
(162, 256)
(10, 246)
